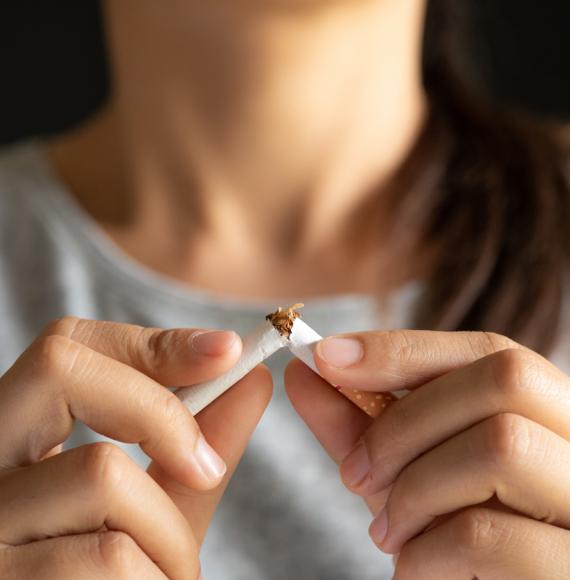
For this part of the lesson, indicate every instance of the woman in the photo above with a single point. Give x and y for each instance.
(259, 153)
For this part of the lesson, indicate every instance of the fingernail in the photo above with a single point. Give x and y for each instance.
(210, 462)
(340, 352)
(379, 528)
(213, 342)
(356, 466)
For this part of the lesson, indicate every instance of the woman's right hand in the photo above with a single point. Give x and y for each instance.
(91, 512)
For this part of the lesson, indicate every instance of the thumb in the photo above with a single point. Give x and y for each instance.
(227, 424)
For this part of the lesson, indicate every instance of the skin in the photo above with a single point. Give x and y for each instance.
(91, 512)
(175, 168)
(179, 164)
(467, 475)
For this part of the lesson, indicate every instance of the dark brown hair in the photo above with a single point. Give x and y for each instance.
(496, 205)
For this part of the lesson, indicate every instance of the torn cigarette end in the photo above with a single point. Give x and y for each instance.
(281, 328)
(261, 343)
(302, 342)
(283, 320)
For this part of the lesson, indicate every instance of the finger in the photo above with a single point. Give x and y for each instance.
(401, 359)
(523, 464)
(228, 424)
(97, 556)
(483, 543)
(58, 379)
(335, 421)
(509, 381)
(89, 487)
(174, 357)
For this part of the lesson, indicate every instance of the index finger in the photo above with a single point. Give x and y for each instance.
(102, 373)
(57, 380)
(401, 359)
(172, 357)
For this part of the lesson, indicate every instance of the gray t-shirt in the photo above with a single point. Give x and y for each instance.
(285, 514)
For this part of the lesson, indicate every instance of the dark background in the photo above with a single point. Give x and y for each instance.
(53, 67)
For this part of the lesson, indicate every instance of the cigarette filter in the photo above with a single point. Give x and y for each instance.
(302, 344)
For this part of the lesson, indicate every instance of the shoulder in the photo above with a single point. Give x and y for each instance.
(26, 220)
(20, 171)
(17, 159)
(25, 182)
(40, 261)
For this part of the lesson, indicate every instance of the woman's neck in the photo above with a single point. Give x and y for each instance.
(248, 130)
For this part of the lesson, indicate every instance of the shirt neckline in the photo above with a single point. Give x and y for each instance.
(60, 206)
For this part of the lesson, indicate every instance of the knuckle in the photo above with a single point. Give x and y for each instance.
(171, 408)
(152, 347)
(508, 440)
(498, 342)
(64, 326)
(116, 553)
(175, 413)
(516, 371)
(175, 419)
(104, 466)
(399, 344)
(55, 355)
(478, 531)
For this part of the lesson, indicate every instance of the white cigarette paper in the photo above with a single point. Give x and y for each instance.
(302, 343)
(257, 346)
(281, 328)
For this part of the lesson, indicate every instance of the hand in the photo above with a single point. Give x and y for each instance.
(91, 512)
(468, 475)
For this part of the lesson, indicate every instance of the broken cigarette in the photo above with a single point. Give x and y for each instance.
(283, 328)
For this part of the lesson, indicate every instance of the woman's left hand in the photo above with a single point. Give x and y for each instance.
(469, 474)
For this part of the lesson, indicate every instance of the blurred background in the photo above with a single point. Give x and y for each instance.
(53, 68)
